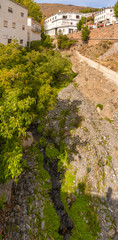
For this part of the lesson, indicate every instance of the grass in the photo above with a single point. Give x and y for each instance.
(109, 120)
(52, 222)
(108, 162)
(83, 215)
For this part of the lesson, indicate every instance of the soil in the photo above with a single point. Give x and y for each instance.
(105, 52)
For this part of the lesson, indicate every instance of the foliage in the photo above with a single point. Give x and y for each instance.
(42, 141)
(90, 19)
(45, 42)
(81, 22)
(52, 222)
(82, 213)
(89, 10)
(79, 25)
(33, 9)
(29, 82)
(51, 151)
(116, 9)
(64, 42)
(85, 34)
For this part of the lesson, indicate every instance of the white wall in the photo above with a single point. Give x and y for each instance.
(105, 15)
(10, 32)
(63, 22)
(34, 30)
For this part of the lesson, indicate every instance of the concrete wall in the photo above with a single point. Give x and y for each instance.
(13, 17)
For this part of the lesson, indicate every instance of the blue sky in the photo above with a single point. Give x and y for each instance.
(87, 3)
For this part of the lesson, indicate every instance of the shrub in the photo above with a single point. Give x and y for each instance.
(99, 106)
(64, 42)
(85, 34)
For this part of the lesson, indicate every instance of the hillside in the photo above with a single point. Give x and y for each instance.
(49, 9)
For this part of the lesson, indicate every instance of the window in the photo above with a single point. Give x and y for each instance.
(0, 5)
(22, 14)
(21, 41)
(10, 10)
(9, 40)
(5, 24)
(23, 27)
(64, 16)
(77, 16)
(111, 10)
(13, 25)
(71, 23)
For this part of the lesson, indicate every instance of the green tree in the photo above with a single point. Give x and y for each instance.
(116, 9)
(85, 34)
(79, 25)
(81, 22)
(33, 9)
(29, 81)
(83, 19)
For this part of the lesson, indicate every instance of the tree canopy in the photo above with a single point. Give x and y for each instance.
(116, 9)
(33, 9)
(29, 81)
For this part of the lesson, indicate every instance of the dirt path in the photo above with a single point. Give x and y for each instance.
(109, 74)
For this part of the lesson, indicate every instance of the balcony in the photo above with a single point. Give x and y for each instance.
(35, 28)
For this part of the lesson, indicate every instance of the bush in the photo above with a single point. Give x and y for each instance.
(64, 42)
(85, 34)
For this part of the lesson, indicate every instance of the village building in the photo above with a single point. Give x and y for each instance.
(105, 16)
(33, 30)
(62, 23)
(13, 22)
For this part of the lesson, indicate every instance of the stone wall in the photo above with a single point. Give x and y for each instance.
(110, 32)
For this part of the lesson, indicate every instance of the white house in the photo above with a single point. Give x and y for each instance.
(33, 30)
(105, 15)
(62, 23)
(13, 22)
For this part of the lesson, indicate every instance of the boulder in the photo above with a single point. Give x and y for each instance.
(27, 142)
